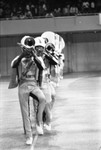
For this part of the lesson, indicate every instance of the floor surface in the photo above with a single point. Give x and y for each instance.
(76, 123)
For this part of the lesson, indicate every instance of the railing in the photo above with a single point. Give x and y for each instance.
(39, 17)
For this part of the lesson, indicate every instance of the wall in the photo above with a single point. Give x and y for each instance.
(83, 52)
(57, 24)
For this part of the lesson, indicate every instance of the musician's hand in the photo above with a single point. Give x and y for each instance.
(26, 54)
(33, 53)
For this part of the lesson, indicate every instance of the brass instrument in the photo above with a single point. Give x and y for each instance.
(50, 51)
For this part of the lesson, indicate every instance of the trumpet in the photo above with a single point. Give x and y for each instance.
(51, 54)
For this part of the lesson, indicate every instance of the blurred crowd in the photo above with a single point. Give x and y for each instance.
(28, 9)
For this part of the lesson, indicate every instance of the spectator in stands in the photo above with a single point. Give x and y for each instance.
(85, 6)
(14, 14)
(45, 8)
(42, 9)
(66, 10)
(74, 10)
(79, 5)
(28, 13)
(20, 13)
(92, 7)
(33, 10)
(1, 12)
(57, 12)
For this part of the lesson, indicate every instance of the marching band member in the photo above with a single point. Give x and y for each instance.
(45, 53)
(28, 84)
(43, 78)
(50, 61)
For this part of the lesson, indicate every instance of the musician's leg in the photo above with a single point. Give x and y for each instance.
(42, 101)
(23, 99)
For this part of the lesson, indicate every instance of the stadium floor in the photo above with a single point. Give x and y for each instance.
(76, 123)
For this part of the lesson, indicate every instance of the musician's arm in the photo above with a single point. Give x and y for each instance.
(39, 62)
(15, 62)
